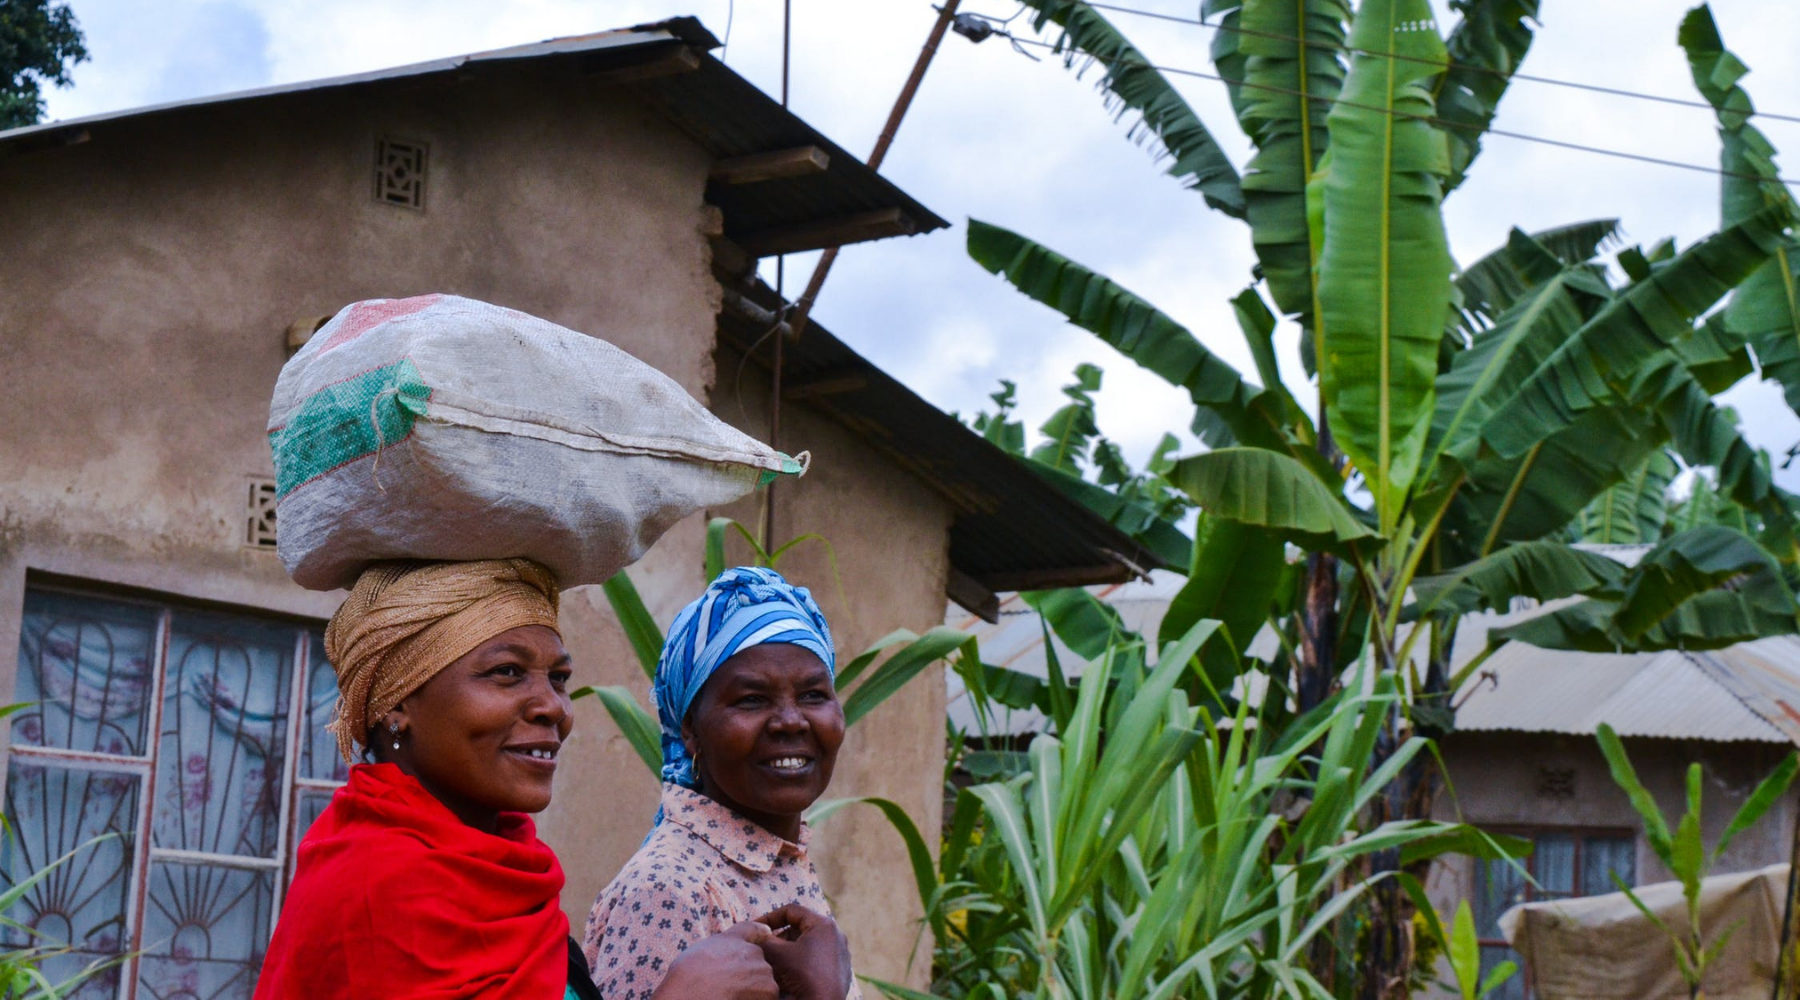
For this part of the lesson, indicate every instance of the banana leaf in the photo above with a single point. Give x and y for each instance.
(1502, 358)
(1766, 307)
(1070, 432)
(1384, 263)
(1491, 285)
(1135, 85)
(1159, 535)
(1708, 435)
(1235, 572)
(1544, 570)
(1124, 321)
(1705, 588)
(1082, 621)
(1287, 55)
(1717, 355)
(1598, 362)
(1633, 512)
(1539, 493)
(1485, 50)
(1275, 492)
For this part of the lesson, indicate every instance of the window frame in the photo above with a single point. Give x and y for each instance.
(143, 852)
(1581, 833)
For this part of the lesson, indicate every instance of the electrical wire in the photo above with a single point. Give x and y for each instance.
(1201, 22)
(1432, 120)
(730, 16)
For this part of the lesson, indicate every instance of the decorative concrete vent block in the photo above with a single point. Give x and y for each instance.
(259, 515)
(400, 166)
(1556, 783)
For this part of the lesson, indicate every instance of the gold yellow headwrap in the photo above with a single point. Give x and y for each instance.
(405, 621)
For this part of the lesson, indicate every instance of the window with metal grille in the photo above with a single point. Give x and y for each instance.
(174, 730)
(1564, 864)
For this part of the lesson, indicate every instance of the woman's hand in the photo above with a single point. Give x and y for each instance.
(727, 966)
(810, 957)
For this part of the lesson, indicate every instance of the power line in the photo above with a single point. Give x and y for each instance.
(1596, 88)
(1429, 119)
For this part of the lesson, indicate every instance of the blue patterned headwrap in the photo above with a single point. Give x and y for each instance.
(744, 607)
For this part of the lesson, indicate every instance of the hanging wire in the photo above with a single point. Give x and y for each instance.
(730, 16)
(1201, 22)
(1430, 119)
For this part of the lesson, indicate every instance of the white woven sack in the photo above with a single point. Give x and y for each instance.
(440, 427)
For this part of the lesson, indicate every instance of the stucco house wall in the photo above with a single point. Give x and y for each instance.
(147, 280)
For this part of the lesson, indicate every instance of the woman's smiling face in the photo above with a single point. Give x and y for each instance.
(765, 731)
(483, 734)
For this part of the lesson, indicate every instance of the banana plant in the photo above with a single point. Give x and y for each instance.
(907, 653)
(1465, 420)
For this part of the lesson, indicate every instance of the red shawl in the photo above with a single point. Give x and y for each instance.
(394, 897)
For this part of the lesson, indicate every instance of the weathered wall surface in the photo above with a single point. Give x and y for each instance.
(147, 278)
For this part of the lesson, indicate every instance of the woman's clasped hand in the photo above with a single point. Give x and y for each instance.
(792, 953)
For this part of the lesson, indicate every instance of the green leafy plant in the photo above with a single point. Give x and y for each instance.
(1684, 853)
(1156, 848)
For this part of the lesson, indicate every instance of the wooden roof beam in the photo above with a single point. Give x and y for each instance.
(797, 162)
(842, 230)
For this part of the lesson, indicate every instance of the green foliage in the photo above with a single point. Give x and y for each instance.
(40, 42)
(1070, 432)
(1484, 51)
(1635, 511)
(1384, 260)
(1154, 849)
(1270, 490)
(1704, 588)
(1125, 321)
(1765, 309)
(1134, 85)
(1487, 418)
(1683, 852)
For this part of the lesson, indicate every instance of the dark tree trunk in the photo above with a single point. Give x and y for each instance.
(1389, 950)
(1316, 672)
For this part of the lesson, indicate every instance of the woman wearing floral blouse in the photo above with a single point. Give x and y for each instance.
(750, 731)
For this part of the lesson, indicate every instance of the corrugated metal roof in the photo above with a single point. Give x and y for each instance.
(723, 112)
(1011, 530)
(1525, 689)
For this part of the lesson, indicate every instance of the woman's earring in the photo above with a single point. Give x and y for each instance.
(394, 728)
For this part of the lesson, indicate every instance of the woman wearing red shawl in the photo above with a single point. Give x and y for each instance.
(424, 877)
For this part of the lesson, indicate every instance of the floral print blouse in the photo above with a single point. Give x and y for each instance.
(704, 869)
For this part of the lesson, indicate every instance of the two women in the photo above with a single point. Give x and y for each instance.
(750, 732)
(425, 876)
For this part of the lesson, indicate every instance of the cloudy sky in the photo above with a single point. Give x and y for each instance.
(996, 136)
